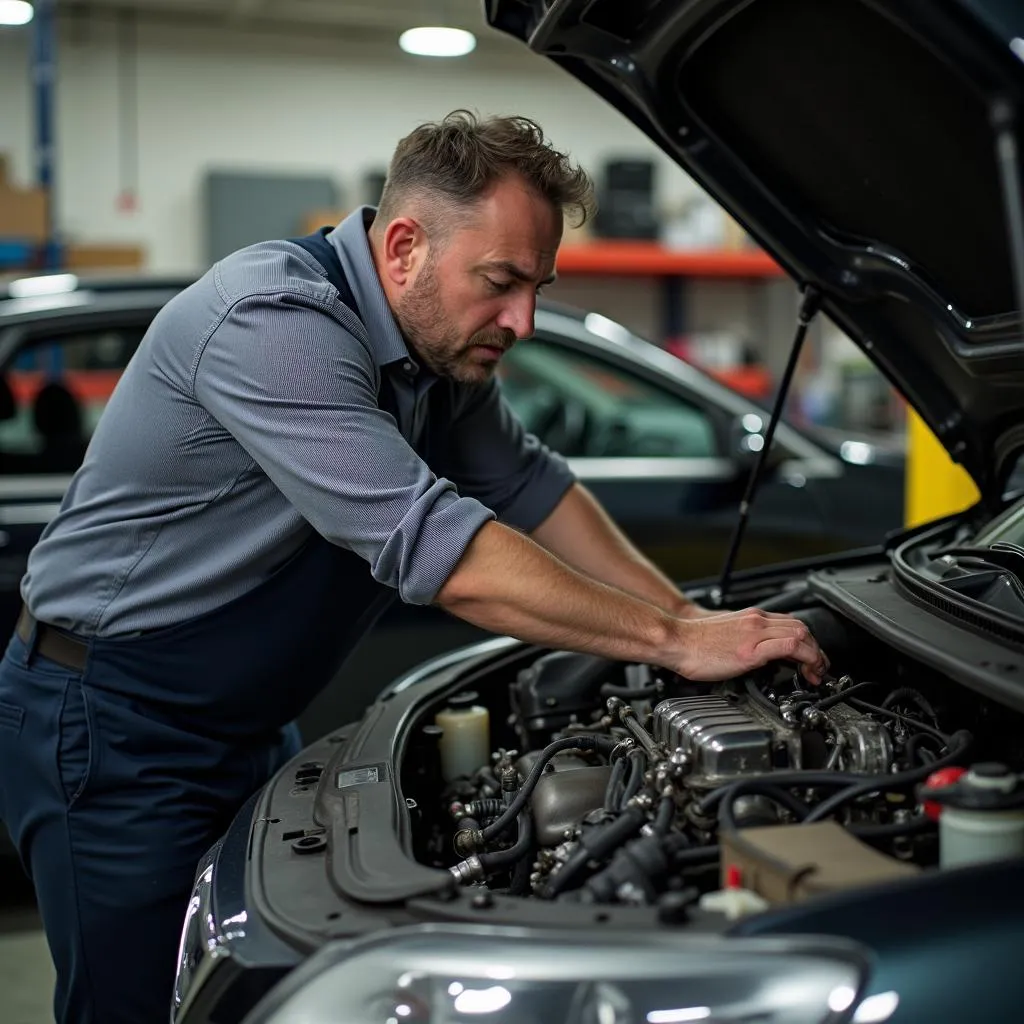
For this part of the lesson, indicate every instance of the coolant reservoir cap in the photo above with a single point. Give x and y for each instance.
(983, 787)
(939, 780)
(463, 699)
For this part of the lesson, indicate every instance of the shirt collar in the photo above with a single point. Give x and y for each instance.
(352, 245)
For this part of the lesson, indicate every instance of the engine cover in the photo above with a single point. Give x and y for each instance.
(723, 740)
(728, 740)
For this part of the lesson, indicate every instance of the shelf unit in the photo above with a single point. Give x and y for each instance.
(648, 259)
(673, 267)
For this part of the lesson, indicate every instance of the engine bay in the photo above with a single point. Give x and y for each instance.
(581, 780)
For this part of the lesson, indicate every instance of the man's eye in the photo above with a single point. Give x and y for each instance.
(497, 286)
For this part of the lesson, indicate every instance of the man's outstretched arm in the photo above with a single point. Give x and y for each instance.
(507, 583)
(581, 533)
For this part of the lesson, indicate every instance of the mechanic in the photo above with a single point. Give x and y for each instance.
(311, 428)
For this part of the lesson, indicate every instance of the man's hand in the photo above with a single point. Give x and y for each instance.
(508, 584)
(721, 645)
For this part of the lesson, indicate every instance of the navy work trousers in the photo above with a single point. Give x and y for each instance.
(114, 781)
(111, 807)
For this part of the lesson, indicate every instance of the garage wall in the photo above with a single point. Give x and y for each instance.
(256, 103)
(217, 97)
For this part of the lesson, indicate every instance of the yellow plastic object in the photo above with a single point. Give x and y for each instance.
(935, 485)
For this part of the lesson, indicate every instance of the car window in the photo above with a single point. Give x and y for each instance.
(52, 394)
(585, 407)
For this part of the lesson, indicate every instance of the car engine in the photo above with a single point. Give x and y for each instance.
(622, 783)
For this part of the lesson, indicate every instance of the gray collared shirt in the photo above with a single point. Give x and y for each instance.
(248, 418)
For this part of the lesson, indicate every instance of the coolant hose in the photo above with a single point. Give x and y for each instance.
(602, 744)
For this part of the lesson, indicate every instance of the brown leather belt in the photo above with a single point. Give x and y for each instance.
(52, 643)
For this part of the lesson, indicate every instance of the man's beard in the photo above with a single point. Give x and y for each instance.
(422, 320)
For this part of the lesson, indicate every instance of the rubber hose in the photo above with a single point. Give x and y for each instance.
(907, 693)
(636, 777)
(695, 855)
(611, 792)
(640, 862)
(603, 744)
(501, 859)
(755, 694)
(893, 830)
(840, 698)
(874, 709)
(784, 779)
(959, 742)
(596, 845)
(915, 741)
(758, 787)
(666, 812)
(487, 808)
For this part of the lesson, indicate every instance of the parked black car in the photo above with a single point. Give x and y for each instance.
(513, 834)
(658, 441)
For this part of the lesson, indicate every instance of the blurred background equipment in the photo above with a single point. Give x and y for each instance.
(626, 207)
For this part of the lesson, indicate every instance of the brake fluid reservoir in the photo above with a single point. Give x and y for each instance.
(465, 743)
(981, 816)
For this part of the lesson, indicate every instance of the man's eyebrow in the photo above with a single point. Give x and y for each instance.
(513, 271)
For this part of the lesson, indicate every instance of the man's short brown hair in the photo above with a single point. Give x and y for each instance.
(460, 157)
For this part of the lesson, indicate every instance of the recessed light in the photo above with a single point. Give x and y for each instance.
(15, 12)
(436, 41)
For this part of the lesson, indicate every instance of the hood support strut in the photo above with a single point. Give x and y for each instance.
(1004, 118)
(809, 307)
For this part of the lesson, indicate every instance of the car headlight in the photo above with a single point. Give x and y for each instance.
(202, 944)
(451, 975)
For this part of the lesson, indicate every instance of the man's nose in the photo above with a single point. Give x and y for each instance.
(518, 316)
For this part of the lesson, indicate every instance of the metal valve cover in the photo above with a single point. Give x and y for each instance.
(723, 741)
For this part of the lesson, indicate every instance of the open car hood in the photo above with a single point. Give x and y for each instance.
(857, 141)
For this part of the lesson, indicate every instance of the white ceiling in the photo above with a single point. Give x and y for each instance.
(333, 16)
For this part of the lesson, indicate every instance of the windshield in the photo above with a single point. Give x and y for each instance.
(1007, 526)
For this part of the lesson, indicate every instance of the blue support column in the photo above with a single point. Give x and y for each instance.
(44, 70)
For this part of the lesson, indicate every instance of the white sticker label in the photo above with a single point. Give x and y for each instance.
(358, 777)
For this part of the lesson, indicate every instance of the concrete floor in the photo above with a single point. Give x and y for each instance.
(26, 971)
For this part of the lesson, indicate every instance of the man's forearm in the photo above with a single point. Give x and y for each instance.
(583, 535)
(508, 584)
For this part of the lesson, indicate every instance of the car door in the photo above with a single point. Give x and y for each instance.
(56, 376)
(668, 463)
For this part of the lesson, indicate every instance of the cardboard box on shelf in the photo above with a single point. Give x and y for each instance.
(102, 257)
(22, 213)
(22, 210)
(317, 219)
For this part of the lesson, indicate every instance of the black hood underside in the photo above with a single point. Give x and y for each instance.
(858, 141)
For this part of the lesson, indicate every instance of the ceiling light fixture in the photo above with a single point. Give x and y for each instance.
(15, 12)
(436, 41)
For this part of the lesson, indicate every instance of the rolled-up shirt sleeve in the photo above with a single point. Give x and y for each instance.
(490, 456)
(298, 391)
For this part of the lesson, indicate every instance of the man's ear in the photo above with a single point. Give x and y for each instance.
(404, 248)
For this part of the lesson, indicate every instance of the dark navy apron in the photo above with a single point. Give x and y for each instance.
(115, 781)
